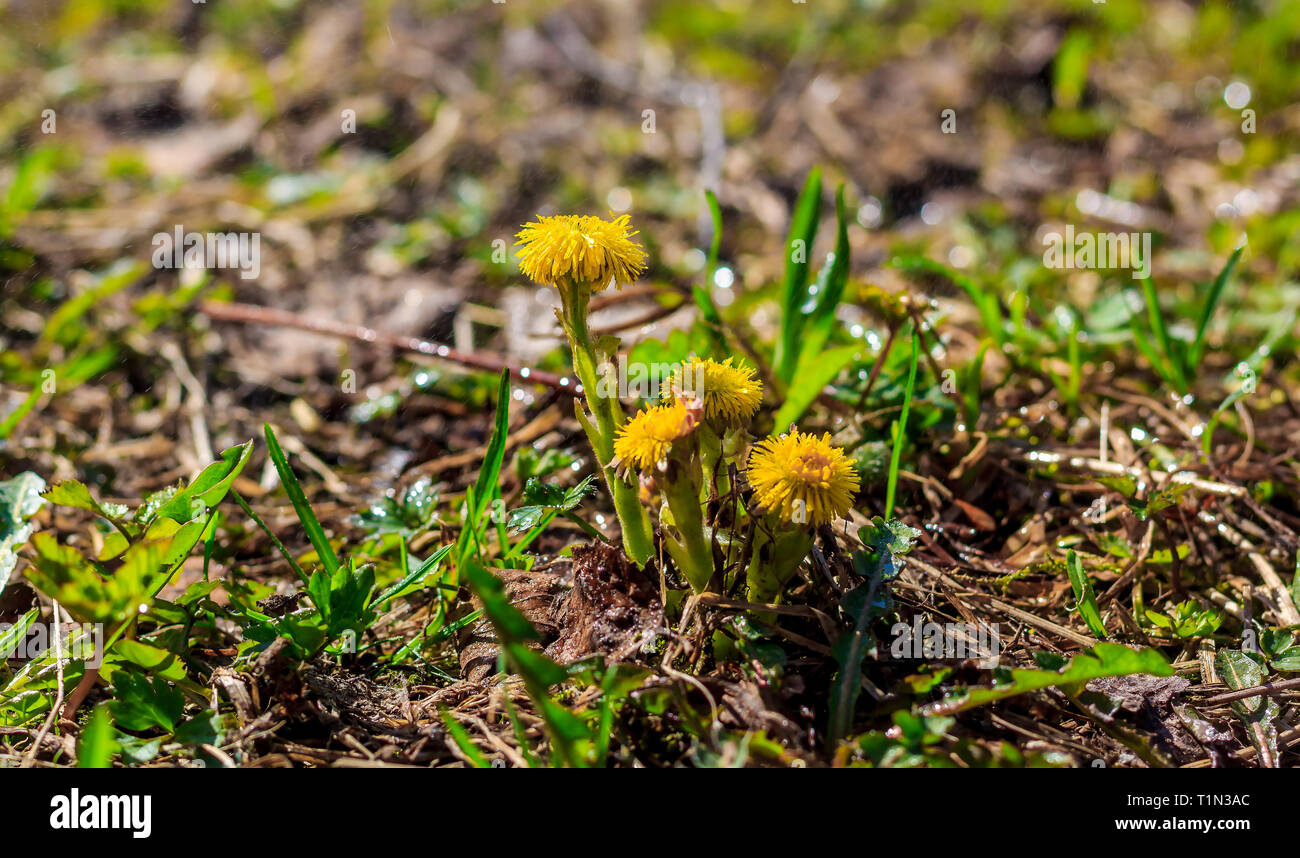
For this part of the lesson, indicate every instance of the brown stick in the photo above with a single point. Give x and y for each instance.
(256, 315)
(1254, 691)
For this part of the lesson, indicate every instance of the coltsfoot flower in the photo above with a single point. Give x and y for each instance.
(803, 478)
(731, 394)
(581, 248)
(647, 439)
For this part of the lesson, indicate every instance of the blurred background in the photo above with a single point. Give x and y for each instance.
(386, 153)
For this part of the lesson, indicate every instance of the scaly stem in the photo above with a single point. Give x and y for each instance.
(607, 413)
(692, 550)
(777, 554)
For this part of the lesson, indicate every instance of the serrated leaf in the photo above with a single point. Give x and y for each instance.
(76, 495)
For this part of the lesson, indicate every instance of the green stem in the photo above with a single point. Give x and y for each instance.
(638, 539)
(694, 553)
(777, 554)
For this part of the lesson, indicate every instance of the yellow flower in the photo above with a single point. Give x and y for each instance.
(731, 394)
(646, 439)
(581, 248)
(803, 478)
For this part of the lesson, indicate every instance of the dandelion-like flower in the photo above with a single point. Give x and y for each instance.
(646, 439)
(582, 248)
(803, 478)
(731, 394)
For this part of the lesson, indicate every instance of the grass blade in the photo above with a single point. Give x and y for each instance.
(803, 229)
(709, 315)
(900, 429)
(1207, 312)
(1085, 600)
(315, 533)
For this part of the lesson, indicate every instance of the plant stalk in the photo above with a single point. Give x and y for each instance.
(607, 413)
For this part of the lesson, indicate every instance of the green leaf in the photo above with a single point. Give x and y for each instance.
(34, 173)
(315, 533)
(463, 741)
(1104, 659)
(1070, 70)
(415, 576)
(1197, 349)
(478, 500)
(548, 497)
(10, 637)
(76, 495)
(1085, 599)
(144, 703)
(408, 513)
(208, 488)
(1288, 660)
(1240, 670)
(20, 499)
(157, 661)
(810, 380)
(803, 230)
(900, 428)
(96, 746)
(831, 280)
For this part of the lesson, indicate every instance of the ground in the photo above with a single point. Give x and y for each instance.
(1089, 463)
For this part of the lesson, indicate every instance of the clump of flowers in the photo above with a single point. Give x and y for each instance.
(674, 459)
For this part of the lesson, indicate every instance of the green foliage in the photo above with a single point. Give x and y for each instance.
(1085, 600)
(485, 491)
(925, 742)
(407, 513)
(1175, 360)
(1104, 659)
(803, 365)
(803, 230)
(20, 499)
(898, 431)
(886, 541)
(143, 703)
(1187, 619)
(96, 747)
(310, 524)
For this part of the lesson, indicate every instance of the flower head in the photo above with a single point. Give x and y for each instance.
(646, 439)
(582, 248)
(731, 394)
(803, 478)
